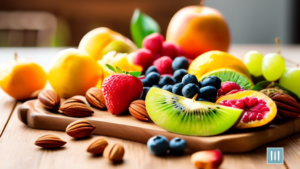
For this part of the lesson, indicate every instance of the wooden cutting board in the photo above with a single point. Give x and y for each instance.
(127, 127)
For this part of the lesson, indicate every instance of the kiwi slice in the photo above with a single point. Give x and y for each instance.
(189, 117)
(230, 75)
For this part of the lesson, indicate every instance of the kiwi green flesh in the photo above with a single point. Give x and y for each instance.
(229, 75)
(182, 115)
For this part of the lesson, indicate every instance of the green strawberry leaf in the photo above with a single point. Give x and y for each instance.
(119, 70)
(111, 68)
(135, 74)
(141, 26)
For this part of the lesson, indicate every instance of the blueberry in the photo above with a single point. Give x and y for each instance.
(206, 100)
(156, 86)
(144, 93)
(180, 63)
(188, 78)
(167, 87)
(153, 78)
(145, 83)
(212, 81)
(166, 80)
(158, 145)
(177, 146)
(199, 84)
(190, 90)
(177, 88)
(178, 75)
(208, 92)
(151, 69)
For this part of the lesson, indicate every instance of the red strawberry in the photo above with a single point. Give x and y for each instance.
(120, 90)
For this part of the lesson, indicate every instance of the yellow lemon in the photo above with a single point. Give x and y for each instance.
(22, 79)
(102, 40)
(73, 72)
(214, 60)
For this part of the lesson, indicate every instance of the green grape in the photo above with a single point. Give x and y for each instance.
(273, 66)
(253, 61)
(291, 80)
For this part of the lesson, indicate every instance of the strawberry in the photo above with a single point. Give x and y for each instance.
(120, 89)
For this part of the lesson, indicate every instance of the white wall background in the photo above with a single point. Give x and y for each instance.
(256, 21)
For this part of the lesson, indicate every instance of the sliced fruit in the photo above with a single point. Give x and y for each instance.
(186, 116)
(231, 75)
(259, 109)
(214, 60)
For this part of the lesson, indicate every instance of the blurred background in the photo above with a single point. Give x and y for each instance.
(64, 22)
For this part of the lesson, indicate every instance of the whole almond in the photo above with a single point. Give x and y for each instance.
(95, 97)
(98, 146)
(76, 108)
(138, 110)
(49, 99)
(114, 152)
(49, 141)
(78, 98)
(287, 106)
(80, 129)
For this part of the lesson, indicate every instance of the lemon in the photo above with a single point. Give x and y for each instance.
(73, 72)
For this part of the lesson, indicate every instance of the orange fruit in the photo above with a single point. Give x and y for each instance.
(214, 60)
(22, 79)
(259, 109)
(198, 29)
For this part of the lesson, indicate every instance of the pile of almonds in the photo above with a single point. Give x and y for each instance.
(81, 129)
(287, 106)
(78, 106)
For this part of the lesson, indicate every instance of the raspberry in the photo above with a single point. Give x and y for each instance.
(144, 58)
(154, 42)
(169, 49)
(164, 65)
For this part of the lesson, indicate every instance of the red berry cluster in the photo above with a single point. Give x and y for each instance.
(157, 52)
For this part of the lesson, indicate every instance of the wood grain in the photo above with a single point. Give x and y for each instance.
(7, 105)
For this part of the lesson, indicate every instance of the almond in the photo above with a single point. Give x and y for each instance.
(76, 108)
(95, 97)
(287, 106)
(80, 129)
(114, 152)
(49, 141)
(49, 99)
(98, 146)
(138, 110)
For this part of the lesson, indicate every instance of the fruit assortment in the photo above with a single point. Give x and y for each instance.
(192, 89)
